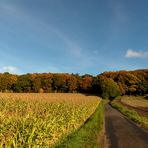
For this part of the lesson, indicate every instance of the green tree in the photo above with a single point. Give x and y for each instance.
(24, 84)
(108, 88)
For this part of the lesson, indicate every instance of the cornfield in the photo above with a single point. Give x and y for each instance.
(40, 120)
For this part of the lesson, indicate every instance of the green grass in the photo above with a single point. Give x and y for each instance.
(88, 135)
(133, 115)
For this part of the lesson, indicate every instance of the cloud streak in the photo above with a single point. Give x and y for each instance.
(10, 69)
(36, 25)
(136, 54)
(119, 12)
(42, 32)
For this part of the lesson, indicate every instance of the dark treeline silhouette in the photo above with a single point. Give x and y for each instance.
(107, 84)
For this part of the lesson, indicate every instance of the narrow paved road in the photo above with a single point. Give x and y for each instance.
(123, 133)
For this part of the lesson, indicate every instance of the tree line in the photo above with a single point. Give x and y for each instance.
(107, 84)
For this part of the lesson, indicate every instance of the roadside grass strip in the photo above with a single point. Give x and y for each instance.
(88, 135)
(133, 115)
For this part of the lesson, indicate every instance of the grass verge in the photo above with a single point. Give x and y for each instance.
(88, 135)
(133, 115)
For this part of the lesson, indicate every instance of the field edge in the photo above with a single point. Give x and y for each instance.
(89, 135)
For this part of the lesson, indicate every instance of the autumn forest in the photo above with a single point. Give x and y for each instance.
(107, 84)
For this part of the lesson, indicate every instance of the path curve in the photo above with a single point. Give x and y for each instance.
(122, 132)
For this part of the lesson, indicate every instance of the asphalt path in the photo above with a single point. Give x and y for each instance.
(122, 132)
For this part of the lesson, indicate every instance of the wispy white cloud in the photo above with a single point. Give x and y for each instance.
(10, 69)
(8, 8)
(130, 53)
(40, 30)
(53, 69)
(72, 47)
(119, 12)
(95, 52)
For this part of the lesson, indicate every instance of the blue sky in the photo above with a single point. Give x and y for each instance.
(73, 36)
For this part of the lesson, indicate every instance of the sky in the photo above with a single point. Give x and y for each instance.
(73, 36)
